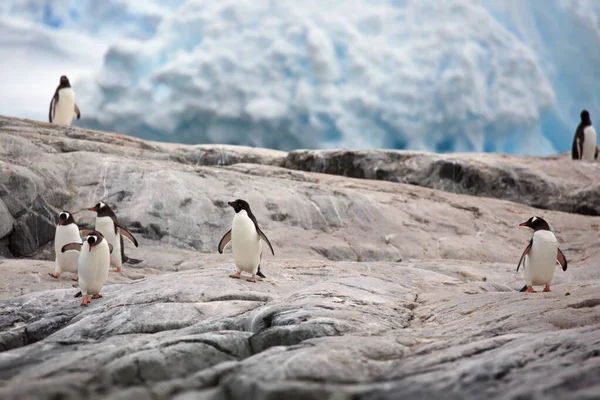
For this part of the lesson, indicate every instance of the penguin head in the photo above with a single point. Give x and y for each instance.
(94, 238)
(585, 117)
(536, 223)
(100, 208)
(64, 82)
(239, 205)
(65, 218)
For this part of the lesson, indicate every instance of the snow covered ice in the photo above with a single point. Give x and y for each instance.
(487, 75)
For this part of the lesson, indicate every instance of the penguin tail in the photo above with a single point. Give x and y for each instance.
(132, 261)
(523, 289)
(78, 294)
(260, 273)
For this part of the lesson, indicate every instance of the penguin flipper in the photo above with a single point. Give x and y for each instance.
(523, 289)
(527, 249)
(110, 248)
(78, 294)
(71, 246)
(128, 235)
(264, 237)
(77, 112)
(562, 259)
(224, 241)
(52, 108)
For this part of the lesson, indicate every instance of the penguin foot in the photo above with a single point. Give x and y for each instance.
(96, 296)
(547, 288)
(85, 301)
(252, 279)
(75, 279)
(56, 275)
(118, 269)
(236, 275)
(530, 289)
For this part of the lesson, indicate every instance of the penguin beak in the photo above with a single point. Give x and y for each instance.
(92, 209)
(61, 222)
(523, 224)
(230, 203)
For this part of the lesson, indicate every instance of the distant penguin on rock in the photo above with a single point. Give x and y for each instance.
(93, 264)
(584, 142)
(67, 232)
(540, 256)
(62, 106)
(246, 241)
(108, 226)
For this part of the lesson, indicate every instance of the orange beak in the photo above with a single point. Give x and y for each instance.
(92, 209)
(523, 223)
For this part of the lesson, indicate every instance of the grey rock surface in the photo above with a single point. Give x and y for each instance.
(552, 183)
(378, 289)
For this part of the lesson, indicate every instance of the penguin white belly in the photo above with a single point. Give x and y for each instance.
(540, 264)
(106, 227)
(589, 143)
(66, 261)
(246, 244)
(93, 268)
(64, 110)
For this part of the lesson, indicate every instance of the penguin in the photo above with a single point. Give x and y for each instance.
(62, 105)
(540, 255)
(245, 237)
(92, 265)
(584, 142)
(67, 232)
(108, 226)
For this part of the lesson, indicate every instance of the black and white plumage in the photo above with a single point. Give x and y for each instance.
(540, 255)
(62, 106)
(246, 240)
(67, 232)
(584, 142)
(92, 266)
(108, 225)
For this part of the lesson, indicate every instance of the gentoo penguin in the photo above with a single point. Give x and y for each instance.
(62, 105)
(107, 225)
(540, 255)
(245, 237)
(67, 232)
(584, 142)
(92, 266)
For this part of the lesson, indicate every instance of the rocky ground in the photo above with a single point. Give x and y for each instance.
(402, 283)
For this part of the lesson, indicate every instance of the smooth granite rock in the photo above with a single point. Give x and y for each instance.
(378, 289)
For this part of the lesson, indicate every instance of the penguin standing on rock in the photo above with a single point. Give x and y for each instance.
(246, 241)
(92, 266)
(67, 232)
(62, 106)
(540, 256)
(108, 226)
(584, 142)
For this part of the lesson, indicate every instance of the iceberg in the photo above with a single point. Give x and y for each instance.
(446, 76)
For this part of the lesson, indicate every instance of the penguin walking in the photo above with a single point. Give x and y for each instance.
(584, 142)
(108, 225)
(67, 232)
(62, 105)
(540, 256)
(92, 265)
(245, 237)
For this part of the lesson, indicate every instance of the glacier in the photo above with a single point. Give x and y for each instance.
(437, 75)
